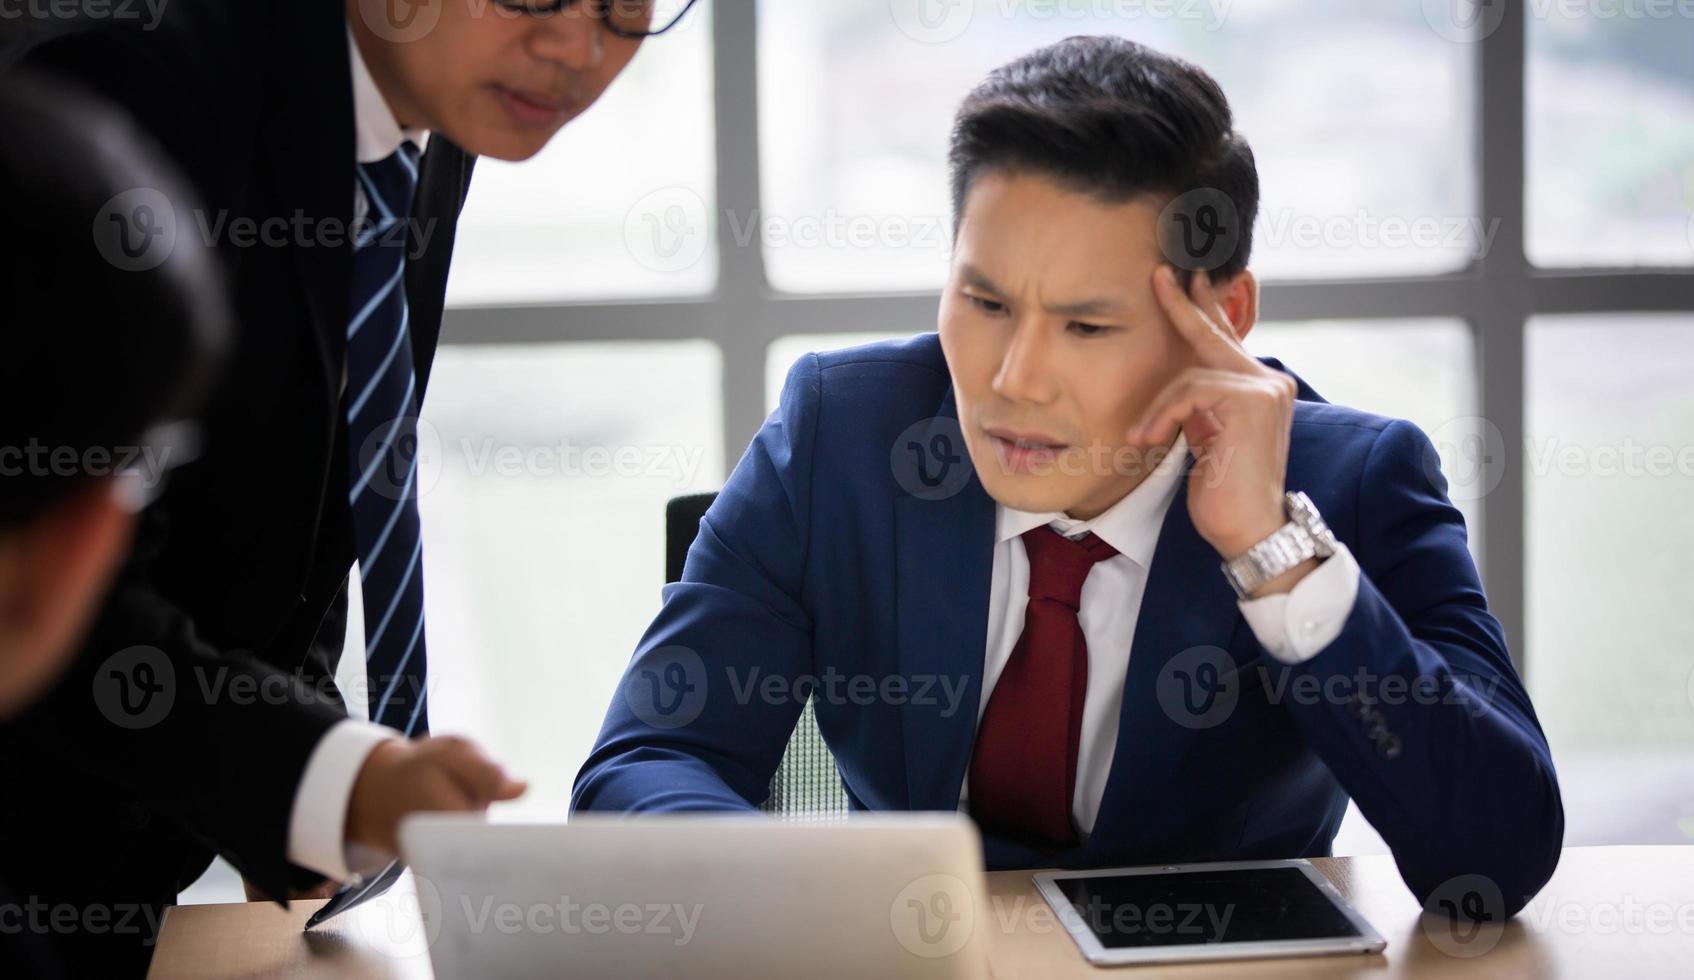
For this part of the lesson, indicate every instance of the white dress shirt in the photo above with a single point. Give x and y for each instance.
(376, 133)
(1292, 626)
(317, 824)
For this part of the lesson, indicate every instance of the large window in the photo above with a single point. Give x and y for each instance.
(544, 533)
(1611, 135)
(1610, 455)
(1367, 177)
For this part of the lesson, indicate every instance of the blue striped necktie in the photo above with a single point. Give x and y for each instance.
(381, 408)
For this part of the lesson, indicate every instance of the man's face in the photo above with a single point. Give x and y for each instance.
(1056, 342)
(497, 82)
(53, 572)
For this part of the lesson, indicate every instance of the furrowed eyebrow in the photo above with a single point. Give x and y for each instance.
(1088, 307)
(975, 278)
(1095, 306)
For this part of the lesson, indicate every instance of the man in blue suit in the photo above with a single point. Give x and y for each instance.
(1078, 564)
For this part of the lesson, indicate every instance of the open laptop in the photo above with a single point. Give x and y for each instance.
(701, 896)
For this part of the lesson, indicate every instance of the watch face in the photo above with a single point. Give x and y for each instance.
(1303, 513)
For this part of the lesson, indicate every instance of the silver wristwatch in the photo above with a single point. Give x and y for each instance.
(1304, 536)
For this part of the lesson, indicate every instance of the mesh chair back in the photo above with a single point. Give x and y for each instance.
(807, 786)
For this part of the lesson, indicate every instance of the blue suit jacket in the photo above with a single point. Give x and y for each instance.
(816, 565)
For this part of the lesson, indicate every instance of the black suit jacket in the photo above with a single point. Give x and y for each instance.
(238, 573)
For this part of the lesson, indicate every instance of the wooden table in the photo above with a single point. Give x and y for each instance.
(1609, 911)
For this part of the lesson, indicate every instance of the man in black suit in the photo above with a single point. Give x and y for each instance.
(298, 123)
(97, 366)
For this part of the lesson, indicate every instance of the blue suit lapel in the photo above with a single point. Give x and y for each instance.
(944, 554)
(1188, 611)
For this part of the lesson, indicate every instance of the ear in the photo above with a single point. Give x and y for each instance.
(1239, 297)
(53, 571)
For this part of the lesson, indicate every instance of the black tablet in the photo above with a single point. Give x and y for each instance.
(1177, 913)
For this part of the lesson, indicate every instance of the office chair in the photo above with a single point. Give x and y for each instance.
(807, 785)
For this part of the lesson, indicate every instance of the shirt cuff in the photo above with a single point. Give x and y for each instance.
(317, 826)
(1294, 626)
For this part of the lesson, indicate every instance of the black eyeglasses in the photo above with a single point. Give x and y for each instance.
(625, 18)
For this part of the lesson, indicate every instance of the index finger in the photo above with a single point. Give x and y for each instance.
(482, 779)
(1216, 346)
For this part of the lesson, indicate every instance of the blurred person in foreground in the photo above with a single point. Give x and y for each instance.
(119, 782)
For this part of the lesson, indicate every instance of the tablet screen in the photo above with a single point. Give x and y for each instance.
(1205, 906)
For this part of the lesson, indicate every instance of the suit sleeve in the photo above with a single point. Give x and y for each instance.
(215, 740)
(1424, 719)
(705, 709)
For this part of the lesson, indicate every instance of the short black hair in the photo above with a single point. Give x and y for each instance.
(93, 353)
(1113, 119)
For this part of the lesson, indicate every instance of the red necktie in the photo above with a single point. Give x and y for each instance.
(1023, 769)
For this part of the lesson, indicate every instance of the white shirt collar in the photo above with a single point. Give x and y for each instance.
(376, 133)
(1131, 525)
